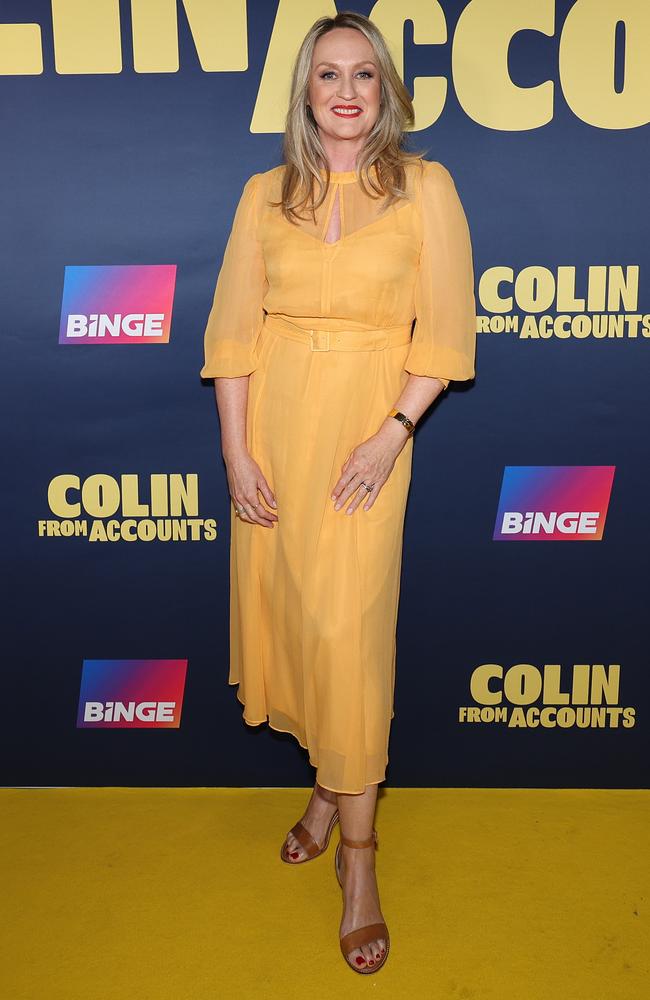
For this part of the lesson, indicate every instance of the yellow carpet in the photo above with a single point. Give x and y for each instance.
(167, 894)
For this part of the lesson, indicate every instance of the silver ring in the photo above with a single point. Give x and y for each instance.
(369, 488)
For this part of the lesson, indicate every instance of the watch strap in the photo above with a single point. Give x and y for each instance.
(403, 419)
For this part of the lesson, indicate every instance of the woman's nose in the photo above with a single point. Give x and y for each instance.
(347, 91)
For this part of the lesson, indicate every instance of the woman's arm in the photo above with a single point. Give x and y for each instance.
(444, 336)
(415, 399)
(245, 478)
(237, 312)
(230, 342)
(443, 346)
(232, 399)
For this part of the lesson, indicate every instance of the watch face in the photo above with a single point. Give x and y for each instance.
(403, 419)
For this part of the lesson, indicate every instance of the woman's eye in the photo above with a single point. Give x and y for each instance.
(330, 72)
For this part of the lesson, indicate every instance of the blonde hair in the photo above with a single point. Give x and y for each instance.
(303, 153)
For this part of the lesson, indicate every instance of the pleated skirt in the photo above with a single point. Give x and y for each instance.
(314, 599)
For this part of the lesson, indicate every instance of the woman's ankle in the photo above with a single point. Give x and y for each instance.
(326, 794)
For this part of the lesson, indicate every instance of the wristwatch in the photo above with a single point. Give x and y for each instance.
(403, 419)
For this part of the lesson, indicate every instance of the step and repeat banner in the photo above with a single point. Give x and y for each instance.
(128, 132)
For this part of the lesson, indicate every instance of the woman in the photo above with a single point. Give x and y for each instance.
(319, 379)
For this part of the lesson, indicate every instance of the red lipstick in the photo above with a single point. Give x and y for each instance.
(347, 110)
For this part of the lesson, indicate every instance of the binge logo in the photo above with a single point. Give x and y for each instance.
(117, 304)
(553, 503)
(131, 694)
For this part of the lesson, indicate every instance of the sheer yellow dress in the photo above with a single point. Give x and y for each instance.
(314, 599)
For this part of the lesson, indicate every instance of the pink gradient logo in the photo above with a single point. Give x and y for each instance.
(541, 503)
(131, 694)
(117, 304)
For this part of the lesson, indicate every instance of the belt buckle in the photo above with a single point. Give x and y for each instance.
(319, 340)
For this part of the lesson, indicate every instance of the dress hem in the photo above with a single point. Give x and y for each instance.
(250, 722)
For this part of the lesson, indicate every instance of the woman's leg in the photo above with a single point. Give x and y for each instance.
(357, 817)
(316, 819)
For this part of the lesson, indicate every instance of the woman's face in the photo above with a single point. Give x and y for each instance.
(344, 71)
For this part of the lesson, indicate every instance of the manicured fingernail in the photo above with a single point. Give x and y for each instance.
(333, 497)
(273, 503)
(337, 506)
(349, 510)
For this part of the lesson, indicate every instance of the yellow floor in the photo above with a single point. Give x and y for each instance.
(167, 894)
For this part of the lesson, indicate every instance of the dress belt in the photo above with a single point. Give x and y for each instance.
(340, 340)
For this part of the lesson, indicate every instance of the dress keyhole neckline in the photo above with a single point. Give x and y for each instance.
(340, 176)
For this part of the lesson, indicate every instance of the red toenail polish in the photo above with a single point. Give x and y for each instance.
(360, 959)
(371, 962)
(294, 854)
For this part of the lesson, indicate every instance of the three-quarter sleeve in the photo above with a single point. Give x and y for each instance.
(237, 313)
(444, 336)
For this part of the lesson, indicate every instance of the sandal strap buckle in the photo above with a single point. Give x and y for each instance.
(373, 839)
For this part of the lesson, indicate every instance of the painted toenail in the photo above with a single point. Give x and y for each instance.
(360, 959)
(295, 854)
(371, 962)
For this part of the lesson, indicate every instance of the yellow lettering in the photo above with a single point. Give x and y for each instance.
(522, 684)
(605, 683)
(480, 681)
(483, 85)
(429, 28)
(57, 496)
(587, 63)
(219, 31)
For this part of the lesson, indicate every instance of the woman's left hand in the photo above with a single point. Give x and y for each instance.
(370, 462)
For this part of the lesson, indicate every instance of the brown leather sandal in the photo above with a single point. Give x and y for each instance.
(370, 932)
(310, 846)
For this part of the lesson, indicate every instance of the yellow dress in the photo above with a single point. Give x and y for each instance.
(314, 599)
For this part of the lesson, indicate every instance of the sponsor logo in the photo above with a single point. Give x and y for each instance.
(553, 503)
(117, 304)
(131, 694)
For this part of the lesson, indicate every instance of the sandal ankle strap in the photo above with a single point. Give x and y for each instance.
(370, 841)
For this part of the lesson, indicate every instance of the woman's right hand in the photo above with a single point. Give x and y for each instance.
(245, 478)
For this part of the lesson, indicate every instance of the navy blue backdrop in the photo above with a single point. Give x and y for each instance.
(110, 158)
